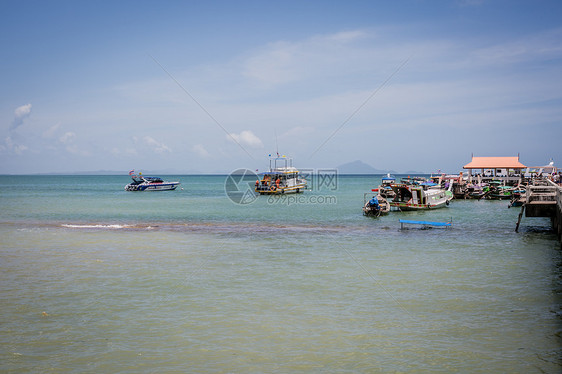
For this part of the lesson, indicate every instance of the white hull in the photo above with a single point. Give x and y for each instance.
(280, 180)
(170, 186)
(162, 187)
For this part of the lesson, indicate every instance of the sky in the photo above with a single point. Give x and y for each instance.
(213, 86)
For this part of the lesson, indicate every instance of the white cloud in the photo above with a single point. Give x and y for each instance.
(20, 114)
(155, 145)
(302, 90)
(246, 138)
(200, 150)
(67, 137)
(284, 62)
(14, 147)
(541, 46)
(23, 110)
(50, 132)
(345, 36)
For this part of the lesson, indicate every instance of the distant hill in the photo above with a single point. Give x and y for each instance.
(359, 167)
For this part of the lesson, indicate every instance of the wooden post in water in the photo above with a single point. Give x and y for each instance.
(520, 216)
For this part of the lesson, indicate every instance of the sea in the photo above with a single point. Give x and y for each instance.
(211, 278)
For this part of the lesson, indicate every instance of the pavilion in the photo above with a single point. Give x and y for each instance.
(507, 168)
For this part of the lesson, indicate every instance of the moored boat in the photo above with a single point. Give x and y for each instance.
(142, 183)
(282, 179)
(477, 191)
(499, 191)
(375, 205)
(413, 180)
(415, 197)
(518, 197)
(384, 189)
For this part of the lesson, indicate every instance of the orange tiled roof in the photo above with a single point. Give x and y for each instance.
(494, 163)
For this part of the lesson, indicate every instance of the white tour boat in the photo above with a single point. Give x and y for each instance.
(282, 179)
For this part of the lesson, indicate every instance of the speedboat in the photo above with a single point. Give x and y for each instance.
(282, 178)
(142, 183)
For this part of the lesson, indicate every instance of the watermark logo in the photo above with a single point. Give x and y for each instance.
(327, 179)
(300, 199)
(240, 186)
(321, 179)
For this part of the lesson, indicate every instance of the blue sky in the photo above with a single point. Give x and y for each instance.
(191, 86)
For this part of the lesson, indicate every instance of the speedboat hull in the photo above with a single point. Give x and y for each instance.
(168, 186)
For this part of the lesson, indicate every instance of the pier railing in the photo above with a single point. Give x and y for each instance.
(540, 199)
(558, 193)
(544, 199)
(542, 191)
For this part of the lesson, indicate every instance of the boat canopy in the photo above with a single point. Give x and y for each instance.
(279, 172)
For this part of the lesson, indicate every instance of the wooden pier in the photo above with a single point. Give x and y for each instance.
(543, 199)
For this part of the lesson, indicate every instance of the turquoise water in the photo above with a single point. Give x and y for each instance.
(96, 279)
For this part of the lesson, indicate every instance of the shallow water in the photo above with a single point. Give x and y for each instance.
(95, 279)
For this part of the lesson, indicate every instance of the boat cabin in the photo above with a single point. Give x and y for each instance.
(137, 179)
(411, 197)
(408, 194)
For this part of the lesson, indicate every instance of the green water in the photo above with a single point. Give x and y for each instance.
(96, 279)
